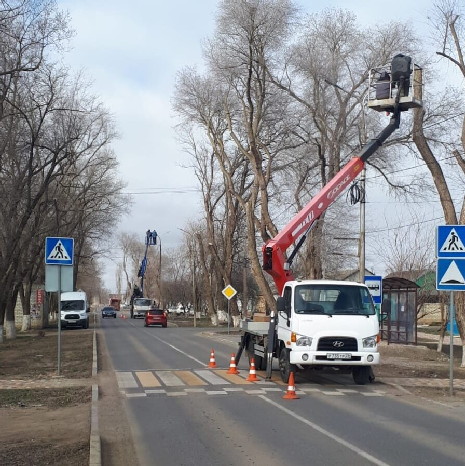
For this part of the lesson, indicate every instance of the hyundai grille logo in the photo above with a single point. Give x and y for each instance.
(338, 344)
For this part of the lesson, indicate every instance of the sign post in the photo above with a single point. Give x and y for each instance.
(229, 292)
(58, 252)
(450, 275)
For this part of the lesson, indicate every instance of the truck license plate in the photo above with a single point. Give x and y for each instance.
(338, 355)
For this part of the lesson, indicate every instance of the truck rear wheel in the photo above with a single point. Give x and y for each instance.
(285, 366)
(363, 375)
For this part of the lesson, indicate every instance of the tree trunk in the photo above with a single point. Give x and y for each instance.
(26, 325)
(10, 329)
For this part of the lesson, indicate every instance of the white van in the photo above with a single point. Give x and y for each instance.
(74, 309)
(140, 306)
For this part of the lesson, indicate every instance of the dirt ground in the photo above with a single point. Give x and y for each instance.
(46, 418)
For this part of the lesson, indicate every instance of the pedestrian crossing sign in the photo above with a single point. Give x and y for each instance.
(450, 241)
(59, 251)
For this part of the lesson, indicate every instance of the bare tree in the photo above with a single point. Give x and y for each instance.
(448, 24)
(326, 72)
(56, 152)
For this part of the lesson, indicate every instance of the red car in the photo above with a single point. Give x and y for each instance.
(156, 317)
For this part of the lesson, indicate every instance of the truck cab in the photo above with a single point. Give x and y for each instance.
(140, 306)
(327, 323)
(74, 309)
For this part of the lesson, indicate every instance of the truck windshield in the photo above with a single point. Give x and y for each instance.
(332, 299)
(142, 302)
(75, 305)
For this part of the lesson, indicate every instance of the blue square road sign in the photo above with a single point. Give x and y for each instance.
(450, 274)
(450, 241)
(59, 251)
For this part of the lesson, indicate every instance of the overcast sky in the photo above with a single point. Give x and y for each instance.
(132, 51)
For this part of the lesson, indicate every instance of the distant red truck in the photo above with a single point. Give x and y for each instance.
(116, 303)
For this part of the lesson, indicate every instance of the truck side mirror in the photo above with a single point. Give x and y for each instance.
(280, 304)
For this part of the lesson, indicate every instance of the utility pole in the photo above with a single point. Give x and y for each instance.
(362, 227)
(244, 288)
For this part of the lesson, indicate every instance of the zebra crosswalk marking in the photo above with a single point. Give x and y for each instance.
(169, 379)
(147, 379)
(233, 378)
(126, 380)
(152, 383)
(190, 379)
(211, 377)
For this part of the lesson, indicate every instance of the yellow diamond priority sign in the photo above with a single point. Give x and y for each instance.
(229, 292)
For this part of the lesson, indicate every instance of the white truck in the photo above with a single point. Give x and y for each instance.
(319, 323)
(74, 309)
(140, 306)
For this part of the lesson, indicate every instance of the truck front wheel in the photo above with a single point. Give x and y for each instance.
(285, 366)
(363, 375)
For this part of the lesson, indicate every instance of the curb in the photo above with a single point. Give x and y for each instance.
(95, 453)
(95, 457)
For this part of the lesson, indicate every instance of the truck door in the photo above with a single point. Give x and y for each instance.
(284, 318)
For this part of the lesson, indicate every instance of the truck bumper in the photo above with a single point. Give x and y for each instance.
(74, 323)
(323, 358)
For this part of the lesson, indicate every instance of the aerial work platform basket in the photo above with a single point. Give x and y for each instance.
(386, 81)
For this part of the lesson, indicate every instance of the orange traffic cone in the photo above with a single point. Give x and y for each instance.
(232, 365)
(290, 394)
(252, 374)
(212, 362)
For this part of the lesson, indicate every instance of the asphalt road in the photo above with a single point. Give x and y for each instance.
(184, 413)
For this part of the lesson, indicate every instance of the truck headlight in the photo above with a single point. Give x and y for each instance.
(370, 342)
(304, 341)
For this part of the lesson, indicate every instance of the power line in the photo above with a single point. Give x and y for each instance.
(181, 190)
(405, 226)
(424, 164)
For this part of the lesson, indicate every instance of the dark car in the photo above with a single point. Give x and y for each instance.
(156, 317)
(108, 311)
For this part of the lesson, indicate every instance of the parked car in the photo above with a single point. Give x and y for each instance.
(108, 311)
(156, 317)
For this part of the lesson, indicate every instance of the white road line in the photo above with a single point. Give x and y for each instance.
(316, 427)
(202, 363)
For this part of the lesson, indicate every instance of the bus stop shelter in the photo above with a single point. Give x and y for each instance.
(398, 317)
